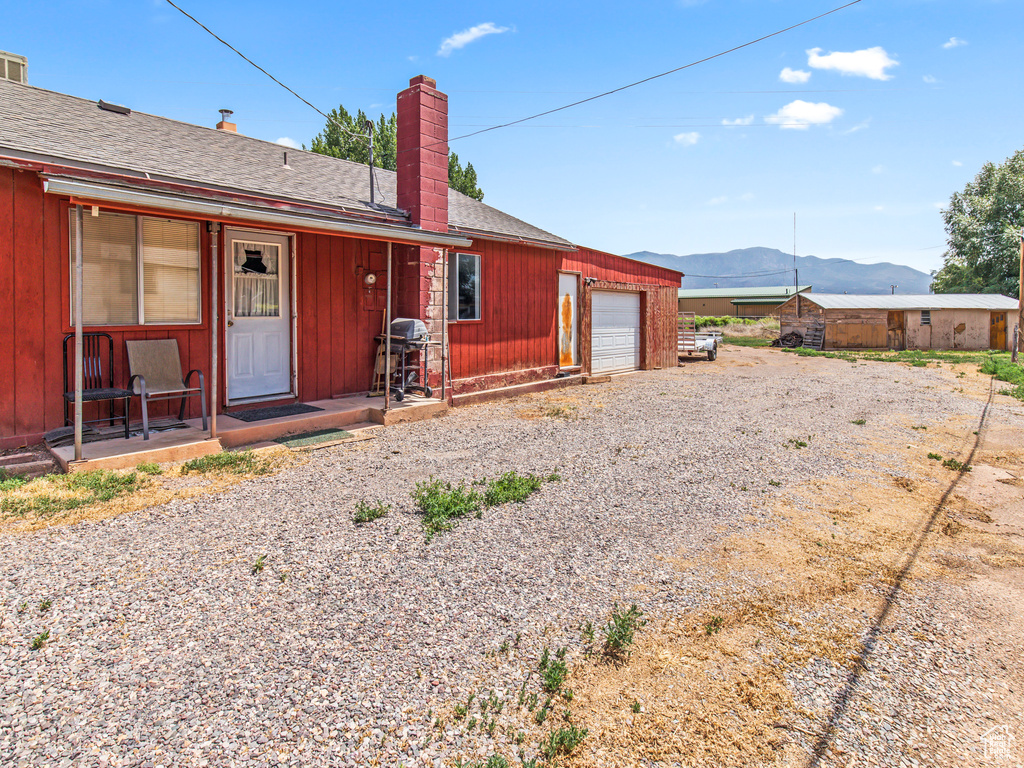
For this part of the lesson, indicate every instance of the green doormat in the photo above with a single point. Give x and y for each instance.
(317, 438)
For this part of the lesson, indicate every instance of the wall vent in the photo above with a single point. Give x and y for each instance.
(13, 67)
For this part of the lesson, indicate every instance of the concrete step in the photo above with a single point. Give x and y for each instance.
(29, 469)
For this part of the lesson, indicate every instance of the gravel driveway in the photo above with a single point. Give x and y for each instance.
(165, 649)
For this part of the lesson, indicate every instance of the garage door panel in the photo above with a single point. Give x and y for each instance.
(615, 331)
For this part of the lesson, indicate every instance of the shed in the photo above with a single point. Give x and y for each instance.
(903, 321)
(737, 302)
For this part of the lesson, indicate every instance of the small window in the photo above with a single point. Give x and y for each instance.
(926, 317)
(464, 287)
(137, 270)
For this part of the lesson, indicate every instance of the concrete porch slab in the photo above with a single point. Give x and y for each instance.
(352, 412)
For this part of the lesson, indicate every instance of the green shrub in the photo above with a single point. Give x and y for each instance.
(562, 742)
(511, 486)
(366, 513)
(553, 676)
(149, 468)
(620, 629)
(233, 462)
(440, 502)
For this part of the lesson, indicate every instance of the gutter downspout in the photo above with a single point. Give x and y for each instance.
(78, 334)
(213, 227)
(387, 339)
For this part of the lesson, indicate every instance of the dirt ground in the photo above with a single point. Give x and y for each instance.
(833, 630)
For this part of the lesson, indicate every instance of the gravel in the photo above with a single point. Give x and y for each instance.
(165, 648)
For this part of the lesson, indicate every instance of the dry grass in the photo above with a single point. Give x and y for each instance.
(766, 328)
(147, 491)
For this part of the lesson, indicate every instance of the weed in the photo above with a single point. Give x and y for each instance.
(490, 728)
(531, 763)
(567, 715)
(45, 605)
(232, 462)
(511, 487)
(522, 694)
(554, 675)
(440, 501)
(568, 694)
(460, 712)
(920, 363)
(775, 483)
(504, 647)
(635, 706)
(859, 422)
(471, 724)
(496, 761)
(366, 513)
(520, 737)
(956, 466)
(560, 653)
(714, 625)
(40, 640)
(259, 565)
(540, 715)
(797, 443)
(23, 606)
(920, 427)
(519, 636)
(935, 456)
(149, 468)
(531, 702)
(560, 411)
(544, 659)
(619, 631)
(283, 576)
(554, 477)
(588, 632)
(562, 742)
(60, 493)
(10, 482)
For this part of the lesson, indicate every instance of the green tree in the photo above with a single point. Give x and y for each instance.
(345, 136)
(983, 232)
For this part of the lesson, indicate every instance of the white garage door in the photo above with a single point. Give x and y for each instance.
(615, 331)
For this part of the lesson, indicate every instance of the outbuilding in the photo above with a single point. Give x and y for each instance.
(269, 266)
(752, 303)
(903, 321)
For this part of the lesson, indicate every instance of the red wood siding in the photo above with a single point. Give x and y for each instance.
(519, 293)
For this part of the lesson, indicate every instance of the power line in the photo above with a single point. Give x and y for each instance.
(655, 77)
(261, 69)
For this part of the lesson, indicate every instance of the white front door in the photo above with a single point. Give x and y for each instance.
(615, 331)
(258, 315)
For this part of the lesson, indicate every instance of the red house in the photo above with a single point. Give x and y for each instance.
(172, 212)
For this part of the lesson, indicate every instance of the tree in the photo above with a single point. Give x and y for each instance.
(351, 144)
(983, 232)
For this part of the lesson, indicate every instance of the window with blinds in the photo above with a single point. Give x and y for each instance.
(137, 270)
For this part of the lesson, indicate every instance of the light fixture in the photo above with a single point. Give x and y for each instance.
(370, 278)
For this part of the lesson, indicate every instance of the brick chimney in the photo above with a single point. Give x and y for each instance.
(422, 140)
(423, 154)
(224, 125)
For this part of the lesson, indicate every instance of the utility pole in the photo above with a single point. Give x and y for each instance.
(369, 131)
(796, 274)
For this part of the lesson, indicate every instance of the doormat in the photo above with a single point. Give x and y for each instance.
(320, 438)
(273, 412)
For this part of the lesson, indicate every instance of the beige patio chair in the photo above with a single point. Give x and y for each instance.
(155, 369)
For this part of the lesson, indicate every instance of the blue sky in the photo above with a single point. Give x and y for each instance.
(863, 123)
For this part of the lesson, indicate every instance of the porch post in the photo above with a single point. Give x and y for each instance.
(387, 339)
(444, 325)
(213, 228)
(78, 333)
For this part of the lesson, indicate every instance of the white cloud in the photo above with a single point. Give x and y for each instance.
(953, 42)
(718, 200)
(879, 207)
(740, 121)
(870, 62)
(957, 163)
(788, 75)
(687, 139)
(799, 115)
(858, 127)
(467, 36)
(747, 196)
(930, 79)
(878, 169)
(285, 141)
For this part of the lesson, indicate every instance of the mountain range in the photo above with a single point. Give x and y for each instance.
(757, 267)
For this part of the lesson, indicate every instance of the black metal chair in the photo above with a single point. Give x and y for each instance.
(95, 387)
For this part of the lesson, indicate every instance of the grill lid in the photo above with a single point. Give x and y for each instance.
(409, 329)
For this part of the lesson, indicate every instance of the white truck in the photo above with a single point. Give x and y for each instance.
(692, 343)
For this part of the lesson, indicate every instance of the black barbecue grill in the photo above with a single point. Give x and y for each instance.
(408, 337)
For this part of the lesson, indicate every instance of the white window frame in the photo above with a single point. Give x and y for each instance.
(453, 288)
(140, 294)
